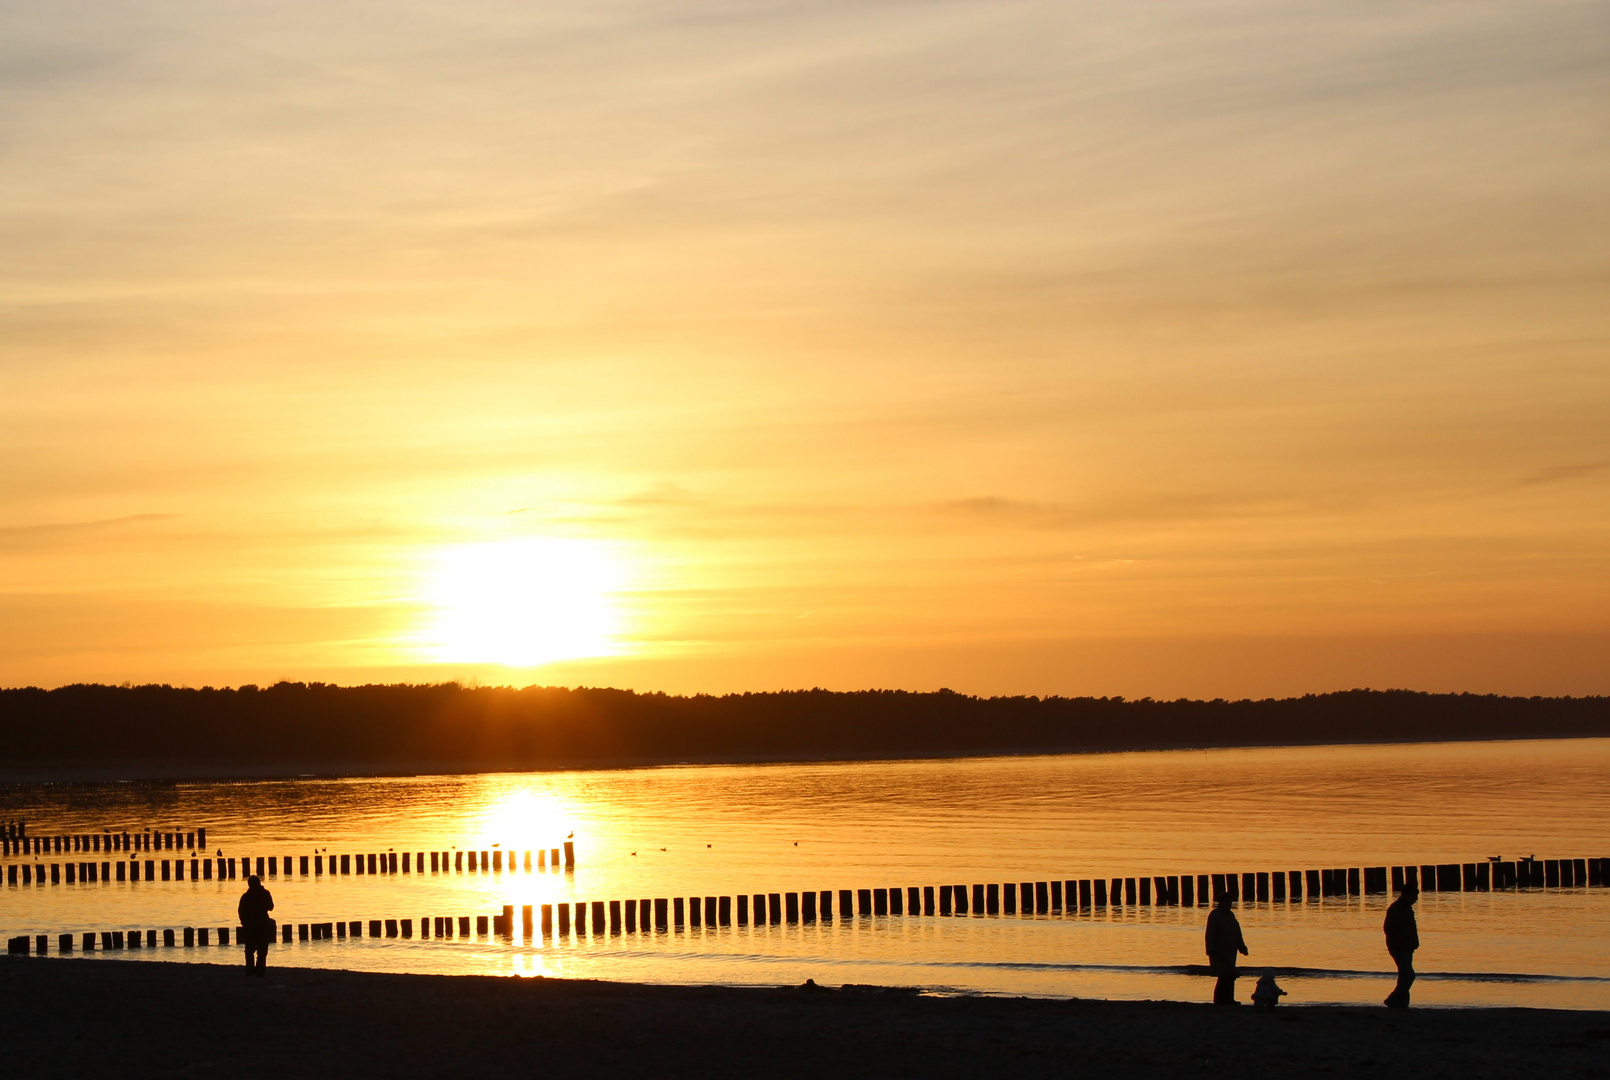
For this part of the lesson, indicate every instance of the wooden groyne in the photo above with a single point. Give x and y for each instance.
(1067, 897)
(16, 840)
(284, 866)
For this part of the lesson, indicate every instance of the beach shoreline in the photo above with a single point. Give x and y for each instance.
(101, 1019)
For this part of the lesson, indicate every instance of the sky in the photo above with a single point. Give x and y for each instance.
(1172, 349)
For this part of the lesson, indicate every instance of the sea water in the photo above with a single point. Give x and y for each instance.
(721, 830)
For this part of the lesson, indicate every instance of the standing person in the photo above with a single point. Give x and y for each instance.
(1402, 938)
(256, 925)
(1224, 941)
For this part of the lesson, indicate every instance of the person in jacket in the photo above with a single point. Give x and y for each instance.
(256, 925)
(1224, 941)
(1402, 938)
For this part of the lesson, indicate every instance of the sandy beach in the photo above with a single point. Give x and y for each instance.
(92, 1018)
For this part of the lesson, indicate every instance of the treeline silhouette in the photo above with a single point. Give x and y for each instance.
(448, 727)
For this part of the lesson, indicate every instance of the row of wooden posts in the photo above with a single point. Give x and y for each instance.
(202, 936)
(1183, 890)
(271, 866)
(19, 843)
(982, 898)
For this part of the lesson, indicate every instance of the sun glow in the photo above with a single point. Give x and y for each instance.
(527, 819)
(524, 602)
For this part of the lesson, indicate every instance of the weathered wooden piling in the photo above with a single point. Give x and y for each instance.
(662, 914)
(880, 901)
(743, 909)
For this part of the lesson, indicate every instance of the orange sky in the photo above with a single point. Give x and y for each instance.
(1178, 348)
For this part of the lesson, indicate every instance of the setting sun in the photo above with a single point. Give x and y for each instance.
(523, 602)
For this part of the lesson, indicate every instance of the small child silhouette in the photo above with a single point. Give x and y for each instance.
(1266, 995)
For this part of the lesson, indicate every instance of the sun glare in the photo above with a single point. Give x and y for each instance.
(521, 603)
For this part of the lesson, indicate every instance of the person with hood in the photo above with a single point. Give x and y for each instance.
(1224, 941)
(256, 925)
(1402, 938)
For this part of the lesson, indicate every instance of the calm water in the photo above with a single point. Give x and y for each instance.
(723, 830)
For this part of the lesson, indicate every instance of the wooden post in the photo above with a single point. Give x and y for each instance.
(631, 917)
(662, 908)
(570, 854)
(846, 904)
(678, 912)
(774, 908)
(896, 901)
(614, 918)
(807, 906)
(827, 903)
(167, 938)
(598, 916)
(944, 900)
(743, 909)
(863, 902)
(1101, 892)
(1145, 891)
(880, 901)
(725, 910)
(64, 942)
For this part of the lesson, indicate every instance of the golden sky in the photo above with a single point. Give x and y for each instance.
(1020, 347)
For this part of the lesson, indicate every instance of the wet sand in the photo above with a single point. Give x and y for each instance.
(72, 1017)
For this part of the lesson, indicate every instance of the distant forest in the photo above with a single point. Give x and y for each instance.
(294, 728)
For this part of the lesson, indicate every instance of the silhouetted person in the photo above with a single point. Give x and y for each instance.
(1267, 994)
(256, 925)
(1224, 941)
(1402, 938)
